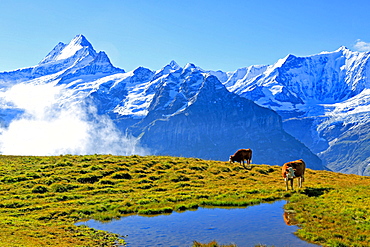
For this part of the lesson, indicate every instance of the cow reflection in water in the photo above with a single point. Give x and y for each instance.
(289, 218)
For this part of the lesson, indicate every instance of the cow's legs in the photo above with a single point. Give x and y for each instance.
(248, 163)
(287, 180)
(286, 184)
(291, 183)
(300, 180)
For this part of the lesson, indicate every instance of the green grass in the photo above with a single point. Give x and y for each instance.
(339, 216)
(42, 197)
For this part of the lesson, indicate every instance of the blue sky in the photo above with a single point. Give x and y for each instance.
(213, 34)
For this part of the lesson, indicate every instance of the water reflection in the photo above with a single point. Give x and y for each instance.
(260, 224)
(289, 218)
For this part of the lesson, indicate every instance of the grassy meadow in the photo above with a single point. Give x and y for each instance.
(42, 197)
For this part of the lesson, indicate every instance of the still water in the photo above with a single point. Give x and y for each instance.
(260, 224)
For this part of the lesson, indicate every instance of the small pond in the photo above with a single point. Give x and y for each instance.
(260, 224)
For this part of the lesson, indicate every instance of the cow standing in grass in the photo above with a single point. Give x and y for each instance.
(241, 155)
(293, 169)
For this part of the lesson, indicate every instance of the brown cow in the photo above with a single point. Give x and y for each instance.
(294, 169)
(241, 155)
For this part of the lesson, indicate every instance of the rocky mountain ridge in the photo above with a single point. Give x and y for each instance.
(187, 111)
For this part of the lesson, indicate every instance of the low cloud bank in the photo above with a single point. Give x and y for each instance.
(47, 127)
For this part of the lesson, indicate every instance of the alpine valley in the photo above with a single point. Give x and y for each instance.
(314, 108)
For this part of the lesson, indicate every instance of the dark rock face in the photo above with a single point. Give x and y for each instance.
(215, 125)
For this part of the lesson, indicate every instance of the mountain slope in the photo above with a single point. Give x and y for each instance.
(193, 115)
(322, 98)
(295, 84)
(75, 62)
(65, 61)
(187, 112)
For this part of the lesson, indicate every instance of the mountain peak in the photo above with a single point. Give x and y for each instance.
(77, 43)
(80, 40)
(102, 64)
(174, 65)
(102, 57)
(343, 48)
(189, 66)
(340, 49)
(64, 51)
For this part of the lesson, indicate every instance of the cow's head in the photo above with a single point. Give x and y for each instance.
(290, 172)
(231, 158)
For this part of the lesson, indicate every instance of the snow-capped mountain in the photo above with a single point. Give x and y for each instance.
(322, 101)
(66, 64)
(192, 114)
(321, 97)
(295, 84)
(66, 61)
(182, 111)
(188, 112)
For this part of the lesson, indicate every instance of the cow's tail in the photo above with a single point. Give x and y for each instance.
(304, 169)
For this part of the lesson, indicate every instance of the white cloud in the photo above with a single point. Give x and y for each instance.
(361, 46)
(48, 128)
